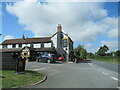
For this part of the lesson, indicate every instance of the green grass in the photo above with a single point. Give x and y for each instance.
(109, 60)
(13, 80)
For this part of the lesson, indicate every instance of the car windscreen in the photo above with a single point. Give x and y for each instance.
(44, 55)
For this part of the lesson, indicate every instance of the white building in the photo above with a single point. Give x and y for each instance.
(59, 44)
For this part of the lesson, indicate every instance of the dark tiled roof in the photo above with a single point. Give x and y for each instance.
(27, 40)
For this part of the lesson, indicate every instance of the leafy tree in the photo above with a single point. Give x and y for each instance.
(117, 53)
(102, 51)
(80, 52)
(83, 53)
(90, 55)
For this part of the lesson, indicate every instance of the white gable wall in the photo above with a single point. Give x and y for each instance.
(54, 39)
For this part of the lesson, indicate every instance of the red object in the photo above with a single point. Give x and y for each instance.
(60, 58)
(84, 59)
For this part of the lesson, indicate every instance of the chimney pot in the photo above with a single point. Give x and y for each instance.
(59, 28)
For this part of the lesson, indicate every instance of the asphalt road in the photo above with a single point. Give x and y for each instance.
(81, 75)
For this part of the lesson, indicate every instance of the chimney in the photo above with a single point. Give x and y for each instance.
(59, 28)
(23, 37)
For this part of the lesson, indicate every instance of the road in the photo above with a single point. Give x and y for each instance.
(76, 75)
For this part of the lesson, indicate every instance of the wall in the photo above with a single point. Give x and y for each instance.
(7, 61)
(37, 45)
(47, 45)
(54, 39)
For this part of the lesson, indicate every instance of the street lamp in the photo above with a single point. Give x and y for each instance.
(0, 34)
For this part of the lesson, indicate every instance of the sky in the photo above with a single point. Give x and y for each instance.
(92, 24)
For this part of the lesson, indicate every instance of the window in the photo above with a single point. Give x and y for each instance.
(14, 46)
(31, 45)
(4, 46)
(42, 45)
(20, 45)
(65, 43)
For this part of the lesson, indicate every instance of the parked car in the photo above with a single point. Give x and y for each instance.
(47, 58)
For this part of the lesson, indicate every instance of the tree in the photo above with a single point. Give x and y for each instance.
(117, 53)
(102, 51)
(83, 53)
(90, 55)
(80, 52)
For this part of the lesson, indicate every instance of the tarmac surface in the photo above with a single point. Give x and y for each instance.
(95, 74)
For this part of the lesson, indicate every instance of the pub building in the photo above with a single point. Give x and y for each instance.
(58, 44)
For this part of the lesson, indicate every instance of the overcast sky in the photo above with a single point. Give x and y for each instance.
(91, 24)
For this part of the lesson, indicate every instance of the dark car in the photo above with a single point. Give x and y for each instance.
(49, 58)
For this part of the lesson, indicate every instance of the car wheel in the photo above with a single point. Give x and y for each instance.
(48, 61)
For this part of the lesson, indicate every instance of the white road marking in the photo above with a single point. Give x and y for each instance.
(118, 88)
(91, 65)
(104, 73)
(39, 69)
(114, 78)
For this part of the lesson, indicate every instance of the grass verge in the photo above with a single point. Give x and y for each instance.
(10, 79)
(109, 60)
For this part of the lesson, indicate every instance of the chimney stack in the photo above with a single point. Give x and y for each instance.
(59, 28)
(23, 37)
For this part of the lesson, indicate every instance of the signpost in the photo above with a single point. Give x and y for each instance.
(21, 65)
(24, 54)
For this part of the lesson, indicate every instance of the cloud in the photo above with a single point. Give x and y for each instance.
(111, 26)
(89, 45)
(77, 20)
(113, 45)
(8, 37)
(113, 33)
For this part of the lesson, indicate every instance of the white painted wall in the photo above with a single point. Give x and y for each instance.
(28, 45)
(16, 45)
(23, 45)
(0, 46)
(54, 39)
(9, 46)
(65, 36)
(46, 45)
(37, 46)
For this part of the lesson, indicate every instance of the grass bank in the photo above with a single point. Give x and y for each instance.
(10, 79)
(109, 60)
